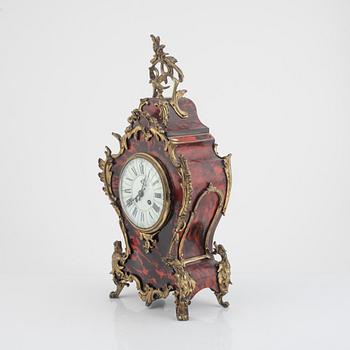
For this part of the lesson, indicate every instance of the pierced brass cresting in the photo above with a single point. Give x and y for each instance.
(167, 70)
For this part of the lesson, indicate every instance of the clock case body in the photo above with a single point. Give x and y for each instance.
(181, 256)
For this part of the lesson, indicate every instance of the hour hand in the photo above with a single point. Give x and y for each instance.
(129, 201)
(142, 190)
(139, 196)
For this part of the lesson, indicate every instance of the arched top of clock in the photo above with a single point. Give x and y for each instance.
(163, 111)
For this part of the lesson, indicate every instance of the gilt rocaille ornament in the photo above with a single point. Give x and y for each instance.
(169, 188)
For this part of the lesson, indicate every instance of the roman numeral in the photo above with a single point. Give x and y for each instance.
(155, 207)
(150, 215)
(134, 170)
(142, 168)
(142, 217)
(134, 213)
(155, 182)
(128, 190)
(128, 178)
(129, 202)
(157, 195)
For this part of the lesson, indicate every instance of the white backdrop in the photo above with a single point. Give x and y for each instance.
(272, 81)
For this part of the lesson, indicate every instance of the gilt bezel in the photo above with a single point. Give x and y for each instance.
(166, 191)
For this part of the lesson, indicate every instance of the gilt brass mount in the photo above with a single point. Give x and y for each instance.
(163, 69)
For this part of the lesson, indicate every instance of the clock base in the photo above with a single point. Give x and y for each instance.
(189, 279)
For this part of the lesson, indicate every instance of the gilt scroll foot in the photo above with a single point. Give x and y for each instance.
(119, 287)
(219, 297)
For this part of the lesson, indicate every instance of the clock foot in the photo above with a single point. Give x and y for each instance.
(219, 297)
(120, 285)
(182, 309)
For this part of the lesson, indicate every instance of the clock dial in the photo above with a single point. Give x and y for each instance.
(143, 192)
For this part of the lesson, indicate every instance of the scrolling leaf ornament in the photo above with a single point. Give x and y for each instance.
(168, 70)
(223, 274)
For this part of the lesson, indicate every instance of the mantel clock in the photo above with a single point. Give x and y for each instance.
(170, 188)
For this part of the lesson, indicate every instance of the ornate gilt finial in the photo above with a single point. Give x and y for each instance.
(168, 70)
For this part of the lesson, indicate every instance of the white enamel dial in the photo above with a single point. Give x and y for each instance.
(143, 191)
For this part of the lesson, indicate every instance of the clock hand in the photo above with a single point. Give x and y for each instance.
(149, 173)
(144, 185)
(129, 201)
(141, 192)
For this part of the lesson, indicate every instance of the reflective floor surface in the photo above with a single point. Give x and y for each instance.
(266, 312)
